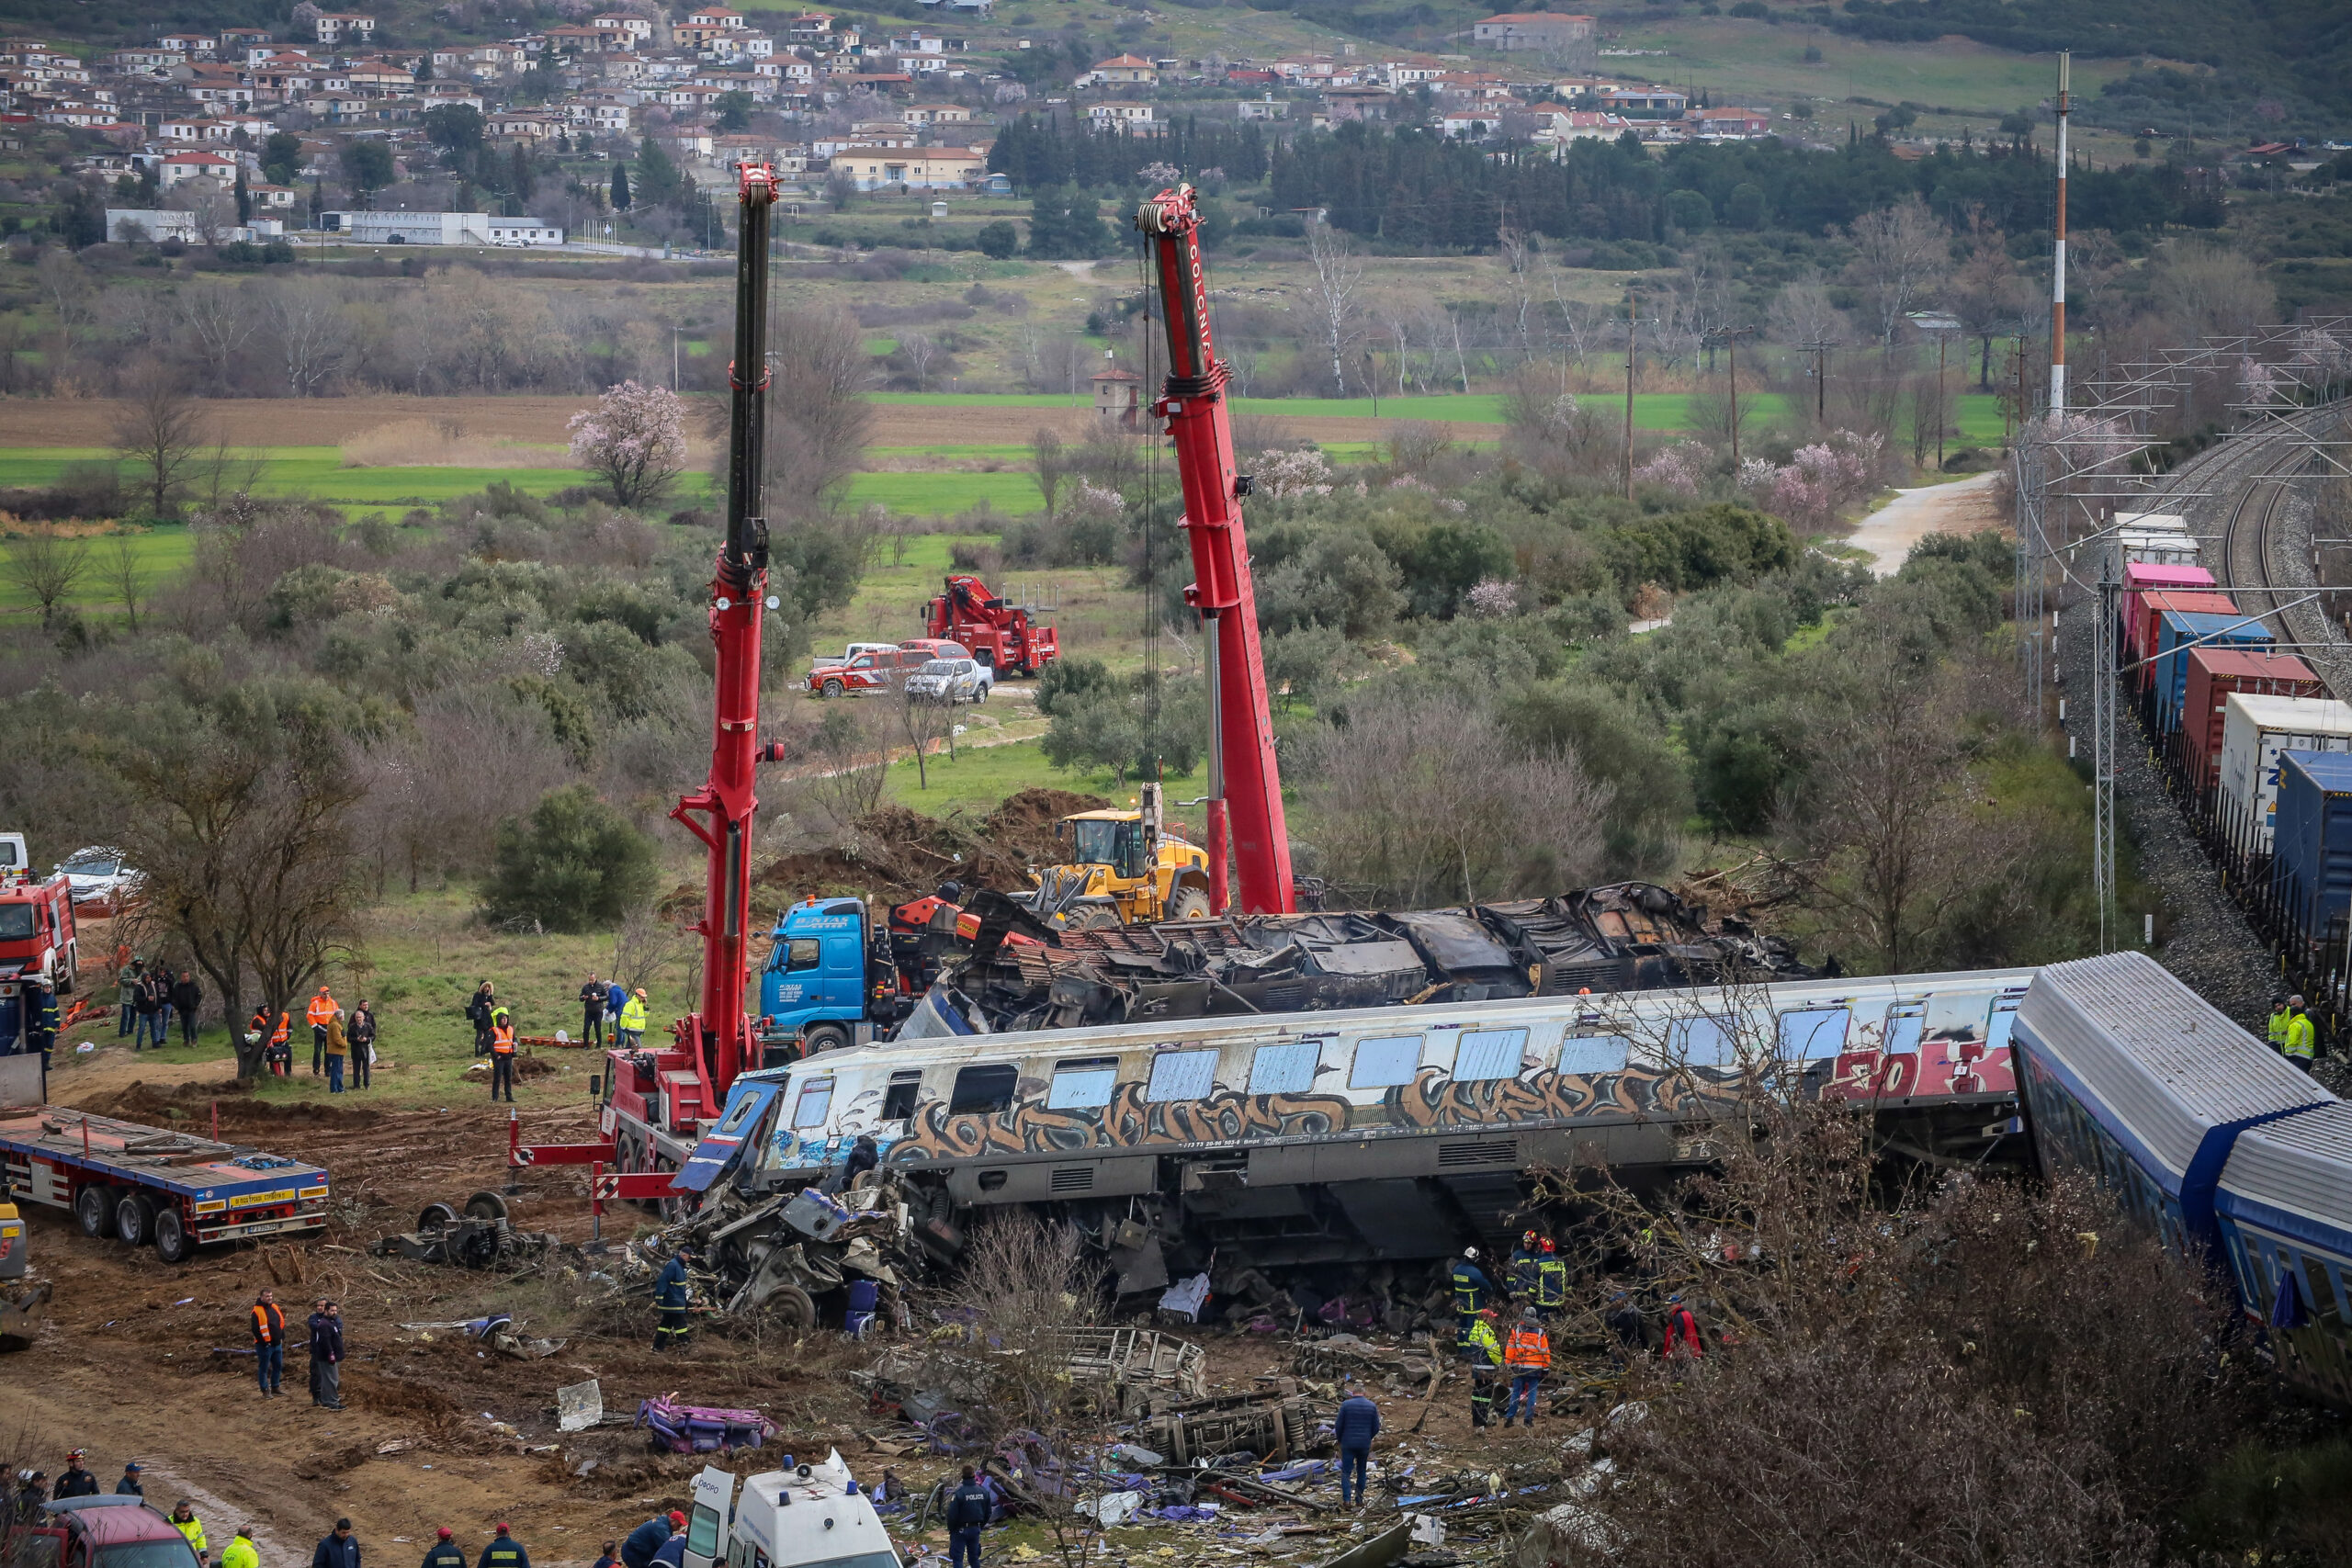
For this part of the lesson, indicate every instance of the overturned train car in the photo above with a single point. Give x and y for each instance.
(1365, 1133)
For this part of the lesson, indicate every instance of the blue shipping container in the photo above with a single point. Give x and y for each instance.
(2175, 628)
(2311, 865)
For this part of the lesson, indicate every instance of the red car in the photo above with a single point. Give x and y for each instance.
(100, 1532)
(879, 669)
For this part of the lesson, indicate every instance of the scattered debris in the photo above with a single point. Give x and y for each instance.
(702, 1429)
(578, 1406)
(481, 1237)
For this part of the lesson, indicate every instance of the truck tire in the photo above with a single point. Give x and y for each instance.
(1189, 904)
(436, 1217)
(792, 1307)
(1092, 918)
(671, 1210)
(93, 1207)
(832, 689)
(134, 1219)
(825, 1037)
(487, 1206)
(174, 1242)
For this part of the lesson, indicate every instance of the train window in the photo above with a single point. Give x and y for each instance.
(2320, 1291)
(806, 952)
(1595, 1054)
(1489, 1054)
(1181, 1075)
(1906, 1022)
(2002, 1021)
(1287, 1068)
(816, 1099)
(983, 1092)
(1702, 1042)
(1385, 1060)
(1082, 1085)
(898, 1100)
(1814, 1034)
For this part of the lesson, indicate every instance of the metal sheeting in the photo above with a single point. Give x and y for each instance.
(2302, 1168)
(2153, 1055)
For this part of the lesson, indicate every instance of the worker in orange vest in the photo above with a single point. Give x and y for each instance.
(1528, 1355)
(281, 1049)
(502, 1053)
(320, 1010)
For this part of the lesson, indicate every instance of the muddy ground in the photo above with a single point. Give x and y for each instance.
(141, 1361)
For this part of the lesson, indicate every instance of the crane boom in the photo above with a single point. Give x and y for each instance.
(1245, 785)
(716, 1038)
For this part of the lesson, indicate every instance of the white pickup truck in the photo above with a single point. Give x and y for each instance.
(804, 1515)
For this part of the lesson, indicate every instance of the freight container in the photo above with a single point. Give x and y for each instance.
(2310, 869)
(2214, 674)
(2177, 633)
(2170, 522)
(2140, 639)
(2142, 578)
(2255, 730)
(2154, 545)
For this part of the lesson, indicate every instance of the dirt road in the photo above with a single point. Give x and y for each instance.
(1964, 507)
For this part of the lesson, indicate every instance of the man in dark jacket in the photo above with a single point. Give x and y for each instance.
(1625, 1325)
(610, 1557)
(670, 1297)
(326, 1356)
(76, 1480)
(445, 1552)
(1357, 1423)
(671, 1553)
(504, 1550)
(187, 996)
(968, 1510)
(477, 1011)
(41, 1024)
(338, 1550)
(130, 1485)
(647, 1539)
(30, 1496)
(592, 1011)
(362, 1035)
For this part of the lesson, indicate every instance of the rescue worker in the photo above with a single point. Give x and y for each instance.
(269, 1344)
(610, 1557)
(592, 1013)
(130, 1486)
(504, 1550)
(445, 1552)
(1484, 1353)
(647, 1539)
(1550, 1282)
(326, 1356)
(75, 1481)
(30, 1496)
(1353, 1427)
(633, 1019)
(240, 1553)
(2300, 1043)
(128, 985)
(478, 1014)
(1528, 1354)
(1521, 1268)
(1471, 1289)
(501, 1054)
(864, 1296)
(672, 1553)
(671, 1296)
(184, 1521)
(1682, 1332)
(281, 1045)
(2281, 1015)
(968, 1510)
(41, 1025)
(339, 1549)
(322, 1010)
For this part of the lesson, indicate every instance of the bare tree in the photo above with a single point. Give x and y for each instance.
(1339, 271)
(648, 947)
(1052, 466)
(72, 297)
(2203, 288)
(220, 319)
(1802, 314)
(852, 765)
(1519, 268)
(817, 412)
(158, 432)
(126, 570)
(47, 565)
(1901, 252)
(313, 335)
(924, 722)
(921, 353)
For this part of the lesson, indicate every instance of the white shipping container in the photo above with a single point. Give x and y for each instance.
(2254, 730)
(2156, 548)
(2153, 522)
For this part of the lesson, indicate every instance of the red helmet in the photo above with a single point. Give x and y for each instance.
(1548, 1248)
(1527, 1238)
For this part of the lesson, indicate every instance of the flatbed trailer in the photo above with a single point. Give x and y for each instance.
(146, 1185)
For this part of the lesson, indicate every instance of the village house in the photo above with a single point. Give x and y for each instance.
(1544, 32)
(1124, 68)
(913, 168)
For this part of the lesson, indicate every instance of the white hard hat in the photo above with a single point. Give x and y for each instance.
(1471, 1253)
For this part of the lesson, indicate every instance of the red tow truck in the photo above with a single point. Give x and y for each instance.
(998, 632)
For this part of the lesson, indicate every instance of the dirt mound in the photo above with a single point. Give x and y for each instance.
(896, 854)
(192, 1102)
(1023, 823)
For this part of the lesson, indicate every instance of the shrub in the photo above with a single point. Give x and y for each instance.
(997, 241)
(575, 864)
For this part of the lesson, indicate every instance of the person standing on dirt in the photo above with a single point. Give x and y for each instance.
(321, 1009)
(338, 1048)
(647, 1539)
(1354, 1427)
(184, 1521)
(339, 1550)
(130, 1485)
(592, 1011)
(269, 1344)
(504, 1551)
(41, 1025)
(326, 1355)
(158, 1019)
(240, 1553)
(75, 1480)
(128, 984)
(445, 1552)
(478, 1012)
(1484, 1353)
(1528, 1354)
(671, 1296)
(501, 1054)
(187, 996)
(281, 1042)
(363, 1044)
(149, 1001)
(968, 1510)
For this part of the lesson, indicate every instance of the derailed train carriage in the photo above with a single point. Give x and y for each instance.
(1367, 1134)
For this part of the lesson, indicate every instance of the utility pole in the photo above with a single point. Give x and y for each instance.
(1729, 337)
(1632, 325)
(2058, 260)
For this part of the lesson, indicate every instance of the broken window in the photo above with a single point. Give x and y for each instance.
(1814, 1034)
(2322, 1292)
(816, 1099)
(1082, 1085)
(1489, 1054)
(983, 1092)
(1182, 1075)
(1386, 1061)
(1595, 1054)
(1287, 1068)
(898, 1100)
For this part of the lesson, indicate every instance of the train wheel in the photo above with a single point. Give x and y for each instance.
(486, 1206)
(436, 1217)
(173, 1242)
(134, 1219)
(792, 1307)
(94, 1209)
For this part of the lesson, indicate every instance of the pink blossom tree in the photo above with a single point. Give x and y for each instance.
(633, 439)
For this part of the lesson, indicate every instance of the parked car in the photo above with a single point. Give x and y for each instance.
(98, 1532)
(952, 680)
(848, 656)
(98, 876)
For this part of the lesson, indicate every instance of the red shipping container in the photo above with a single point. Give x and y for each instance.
(2213, 673)
(2140, 637)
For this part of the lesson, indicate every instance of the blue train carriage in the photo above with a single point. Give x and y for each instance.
(1308, 1133)
(149, 1186)
(2285, 1210)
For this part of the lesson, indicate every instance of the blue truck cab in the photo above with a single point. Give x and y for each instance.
(816, 988)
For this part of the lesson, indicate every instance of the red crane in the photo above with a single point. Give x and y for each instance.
(1244, 786)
